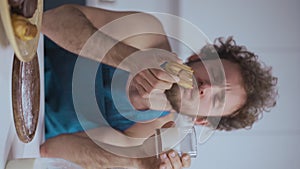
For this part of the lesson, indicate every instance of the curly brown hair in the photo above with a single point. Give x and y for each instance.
(259, 84)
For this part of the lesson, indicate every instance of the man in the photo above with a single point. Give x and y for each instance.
(249, 88)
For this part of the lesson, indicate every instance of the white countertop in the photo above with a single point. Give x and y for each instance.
(10, 146)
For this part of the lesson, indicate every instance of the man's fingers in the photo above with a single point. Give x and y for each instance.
(145, 86)
(163, 165)
(147, 75)
(165, 162)
(186, 160)
(171, 160)
(142, 92)
(175, 160)
(153, 77)
(146, 82)
(164, 76)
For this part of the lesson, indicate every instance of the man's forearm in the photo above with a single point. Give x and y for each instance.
(85, 152)
(69, 28)
(111, 136)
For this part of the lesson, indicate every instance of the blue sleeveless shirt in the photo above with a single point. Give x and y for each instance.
(60, 114)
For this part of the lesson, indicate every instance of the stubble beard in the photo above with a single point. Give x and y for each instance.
(174, 97)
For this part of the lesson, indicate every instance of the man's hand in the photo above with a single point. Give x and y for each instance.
(169, 160)
(148, 80)
(147, 90)
(166, 160)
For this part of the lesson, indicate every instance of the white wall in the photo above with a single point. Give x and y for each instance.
(270, 28)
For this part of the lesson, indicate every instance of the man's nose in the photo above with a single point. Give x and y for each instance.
(204, 89)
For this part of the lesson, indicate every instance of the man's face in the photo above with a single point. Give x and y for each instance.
(219, 94)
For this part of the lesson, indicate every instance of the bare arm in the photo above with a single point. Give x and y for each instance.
(83, 151)
(73, 26)
(111, 136)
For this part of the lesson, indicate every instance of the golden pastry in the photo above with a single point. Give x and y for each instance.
(23, 29)
(184, 72)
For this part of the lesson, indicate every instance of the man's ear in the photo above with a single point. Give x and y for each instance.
(201, 121)
(193, 58)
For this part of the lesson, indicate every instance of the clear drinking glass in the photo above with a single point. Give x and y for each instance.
(180, 139)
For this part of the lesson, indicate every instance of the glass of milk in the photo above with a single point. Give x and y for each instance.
(41, 163)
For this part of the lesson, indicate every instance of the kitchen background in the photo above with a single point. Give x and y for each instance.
(270, 28)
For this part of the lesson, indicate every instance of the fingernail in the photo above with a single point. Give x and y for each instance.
(172, 154)
(185, 158)
(163, 156)
(162, 167)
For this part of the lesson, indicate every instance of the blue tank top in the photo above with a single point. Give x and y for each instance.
(60, 114)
